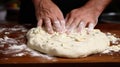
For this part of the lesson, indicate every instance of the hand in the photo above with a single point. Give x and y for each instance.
(86, 16)
(49, 14)
(81, 18)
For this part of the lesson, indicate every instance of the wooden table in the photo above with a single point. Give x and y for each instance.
(93, 59)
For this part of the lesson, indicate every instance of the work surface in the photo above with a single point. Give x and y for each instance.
(18, 32)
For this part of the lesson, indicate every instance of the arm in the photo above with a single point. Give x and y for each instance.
(49, 15)
(99, 5)
(86, 16)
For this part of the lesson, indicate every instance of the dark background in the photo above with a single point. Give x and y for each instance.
(26, 15)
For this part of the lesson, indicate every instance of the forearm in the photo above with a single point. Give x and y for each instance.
(40, 2)
(99, 5)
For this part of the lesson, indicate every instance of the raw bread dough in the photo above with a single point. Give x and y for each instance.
(73, 45)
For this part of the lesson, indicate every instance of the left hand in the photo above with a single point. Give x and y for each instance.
(81, 18)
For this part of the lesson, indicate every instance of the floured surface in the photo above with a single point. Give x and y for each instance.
(13, 43)
(73, 45)
(8, 37)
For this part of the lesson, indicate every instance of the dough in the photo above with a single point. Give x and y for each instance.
(73, 45)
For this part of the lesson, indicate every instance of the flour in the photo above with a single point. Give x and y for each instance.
(14, 47)
(112, 38)
(37, 54)
(16, 51)
(113, 48)
(7, 33)
(2, 29)
(6, 40)
(19, 54)
(17, 47)
(13, 29)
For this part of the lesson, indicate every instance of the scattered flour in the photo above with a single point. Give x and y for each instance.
(6, 39)
(7, 33)
(35, 53)
(113, 48)
(2, 29)
(17, 47)
(114, 40)
(13, 29)
(14, 47)
(19, 54)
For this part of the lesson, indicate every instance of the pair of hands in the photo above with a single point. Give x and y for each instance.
(49, 15)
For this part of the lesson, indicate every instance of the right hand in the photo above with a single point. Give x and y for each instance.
(49, 14)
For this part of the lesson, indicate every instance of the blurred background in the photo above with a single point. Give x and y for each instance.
(9, 11)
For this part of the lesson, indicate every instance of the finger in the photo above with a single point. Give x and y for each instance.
(40, 23)
(48, 25)
(74, 24)
(81, 26)
(67, 16)
(57, 26)
(69, 20)
(91, 27)
(62, 23)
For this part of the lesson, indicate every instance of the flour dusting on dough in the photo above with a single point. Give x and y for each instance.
(73, 45)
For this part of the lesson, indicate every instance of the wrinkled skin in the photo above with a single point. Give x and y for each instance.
(81, 18)
(51, 17)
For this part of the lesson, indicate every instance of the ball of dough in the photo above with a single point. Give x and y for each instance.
(74, 45)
